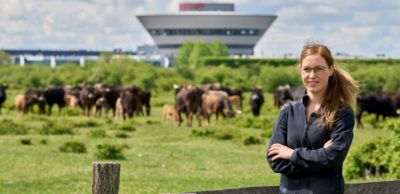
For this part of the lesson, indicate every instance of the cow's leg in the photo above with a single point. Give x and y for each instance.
(190, 117)
(148, 109)
(359, 123)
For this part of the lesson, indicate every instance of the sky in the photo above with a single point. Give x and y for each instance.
(354, 27)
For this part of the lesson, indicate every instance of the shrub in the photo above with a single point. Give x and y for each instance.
(50, 128)
(121, 135)
(202, 132)
(106, 151)
(379, 157)
(8, 126)
(73, 147)
(98, 133)
(127, 128)
(252, 140)
(226, 134)
(26, 141)
(87, 124)
(43, 141)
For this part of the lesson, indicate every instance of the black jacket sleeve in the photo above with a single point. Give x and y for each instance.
(333, 156)
(279, 135)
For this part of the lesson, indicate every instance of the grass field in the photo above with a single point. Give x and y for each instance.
(159, 156)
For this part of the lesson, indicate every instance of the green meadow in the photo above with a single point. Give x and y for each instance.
(159, 157)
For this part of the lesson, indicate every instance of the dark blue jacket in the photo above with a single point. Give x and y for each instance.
(312, 168)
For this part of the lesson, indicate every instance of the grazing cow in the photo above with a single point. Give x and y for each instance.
(118, 109)
(170, 113)
(32, 97)
(145, 97)
(54, 96)
(87, 98)
(256, 101)
(396, 98)
(71, 101)
(129, 103)
(236, 102)
(20, 103)
(100, 102)
(378, 103)
(110, 94)
(286, 93)
(188, 100)
(72, 91)
(216, 102)
(3, 95)
(143, 100)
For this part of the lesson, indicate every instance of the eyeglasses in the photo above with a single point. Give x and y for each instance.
(316, 69)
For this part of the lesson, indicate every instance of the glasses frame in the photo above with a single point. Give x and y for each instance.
(319, 69)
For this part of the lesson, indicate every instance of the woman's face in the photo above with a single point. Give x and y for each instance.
(315, 74)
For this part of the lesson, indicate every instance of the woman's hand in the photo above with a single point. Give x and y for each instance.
(328, 143)
(280, 151)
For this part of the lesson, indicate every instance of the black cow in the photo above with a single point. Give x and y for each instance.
(143, 99)
(54, 96)
(130, 102)
(378, 103)
(3, 95)
(287, 93)
(256, 101)
(109, 95)
(87, 98)
(33, 97)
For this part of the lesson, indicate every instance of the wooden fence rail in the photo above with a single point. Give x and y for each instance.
(106, 181)
(384, 187)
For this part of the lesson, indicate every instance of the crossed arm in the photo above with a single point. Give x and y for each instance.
(286, 160)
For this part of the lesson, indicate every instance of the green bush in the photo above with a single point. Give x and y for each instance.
(43, 141)
(107, 151)
(379, 157)
(252, 140)
(98, 133)
(127, 128)
(87, 124)
(26, 141)
(203, 132)
(9, 127)
(51, 128)
(121, 135)
(73, 147)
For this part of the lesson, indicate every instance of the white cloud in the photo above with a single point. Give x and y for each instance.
(357, 26)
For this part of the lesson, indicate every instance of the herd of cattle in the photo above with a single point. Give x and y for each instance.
(378, 103)
(200, 101)
(123, 101)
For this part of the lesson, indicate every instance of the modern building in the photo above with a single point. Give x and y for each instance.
(208, 22)
(55, 57)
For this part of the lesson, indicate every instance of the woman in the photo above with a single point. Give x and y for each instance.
(312, 136)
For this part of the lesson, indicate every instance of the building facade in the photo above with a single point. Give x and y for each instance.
(208, 22)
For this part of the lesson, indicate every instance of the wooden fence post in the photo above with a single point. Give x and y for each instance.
(105, 178)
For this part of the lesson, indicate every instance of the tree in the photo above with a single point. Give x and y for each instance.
(4, 57)
(184, 52)
(200, 49)
(218, 49)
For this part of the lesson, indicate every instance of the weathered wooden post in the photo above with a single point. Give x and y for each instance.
(105, 178)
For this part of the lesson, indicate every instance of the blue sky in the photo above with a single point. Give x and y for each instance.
(355, 27)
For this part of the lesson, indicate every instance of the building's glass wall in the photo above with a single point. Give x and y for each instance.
(204, 32)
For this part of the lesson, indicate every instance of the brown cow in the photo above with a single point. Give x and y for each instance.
(71, 100)
(216, 102)
(170, 113)
(236, 102)
(188, 99)
(118, 108)
(20, 103)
